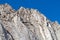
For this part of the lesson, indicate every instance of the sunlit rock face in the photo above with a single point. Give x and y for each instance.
(26, 24)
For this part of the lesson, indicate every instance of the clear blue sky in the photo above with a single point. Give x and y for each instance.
(50, 8)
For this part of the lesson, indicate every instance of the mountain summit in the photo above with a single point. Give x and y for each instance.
(26, 24)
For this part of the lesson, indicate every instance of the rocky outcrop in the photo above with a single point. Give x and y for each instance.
(26, 24)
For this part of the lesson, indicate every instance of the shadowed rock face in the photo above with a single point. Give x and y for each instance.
(26, 24)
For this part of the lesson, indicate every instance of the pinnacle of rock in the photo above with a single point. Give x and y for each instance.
(26, 24)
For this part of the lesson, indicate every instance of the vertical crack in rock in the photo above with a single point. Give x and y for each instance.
(6, 33)
(55, 34)
(51, 32)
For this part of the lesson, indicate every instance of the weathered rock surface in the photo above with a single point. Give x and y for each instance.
(26, 24)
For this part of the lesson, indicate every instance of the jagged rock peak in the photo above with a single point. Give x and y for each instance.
(26, 24)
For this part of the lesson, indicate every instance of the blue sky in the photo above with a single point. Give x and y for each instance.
(50, 8)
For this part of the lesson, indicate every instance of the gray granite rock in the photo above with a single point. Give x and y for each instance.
(26, 24)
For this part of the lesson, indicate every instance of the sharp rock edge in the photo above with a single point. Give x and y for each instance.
(26, 24)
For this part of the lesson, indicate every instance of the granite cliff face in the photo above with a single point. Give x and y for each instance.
(26, 24)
